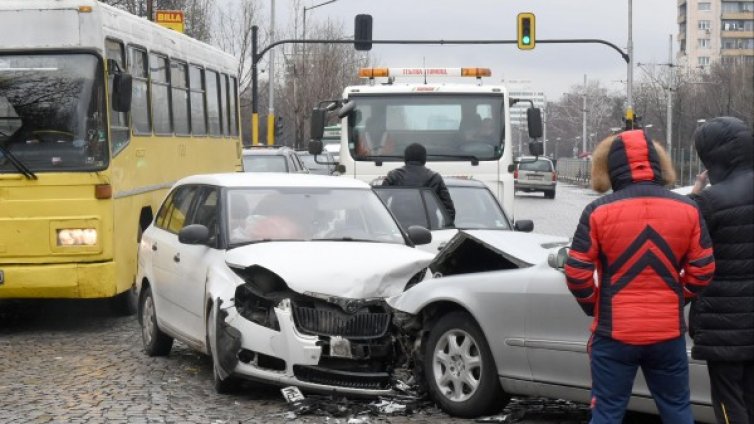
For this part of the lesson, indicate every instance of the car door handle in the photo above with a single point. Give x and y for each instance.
(177, 258)
(154, 247)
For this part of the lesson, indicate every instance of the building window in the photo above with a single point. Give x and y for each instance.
(705, 5)
(703, 43)
(703, 24)
(703, 60)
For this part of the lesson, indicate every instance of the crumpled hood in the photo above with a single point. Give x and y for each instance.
(724, 145)
(355, 270)
(528, 248)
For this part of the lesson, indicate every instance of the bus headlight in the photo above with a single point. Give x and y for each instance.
(77, 237)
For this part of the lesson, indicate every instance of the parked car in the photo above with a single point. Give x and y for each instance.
(263, 158)
(535, 174)
(476, 209)
(279, 278)
(324, 164)
(498, 320)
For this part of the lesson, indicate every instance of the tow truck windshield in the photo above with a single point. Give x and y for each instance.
(52, 113)
(451, 127)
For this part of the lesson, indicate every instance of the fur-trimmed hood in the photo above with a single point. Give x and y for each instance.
(630, 157)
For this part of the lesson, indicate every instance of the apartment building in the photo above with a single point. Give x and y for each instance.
(711, 31)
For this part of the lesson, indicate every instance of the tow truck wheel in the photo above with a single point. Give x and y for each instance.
(222, 385)
(459, 368)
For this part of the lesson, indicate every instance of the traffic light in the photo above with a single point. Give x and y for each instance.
(527, 35)
(363, 32)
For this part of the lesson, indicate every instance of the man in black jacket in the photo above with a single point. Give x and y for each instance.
(722, 318)
(415, 174)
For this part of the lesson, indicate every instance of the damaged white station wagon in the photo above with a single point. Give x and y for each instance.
(281, 278)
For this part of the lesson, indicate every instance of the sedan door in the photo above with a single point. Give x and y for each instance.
(194, 262)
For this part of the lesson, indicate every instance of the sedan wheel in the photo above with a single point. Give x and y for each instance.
(460, 370)
(156, 343)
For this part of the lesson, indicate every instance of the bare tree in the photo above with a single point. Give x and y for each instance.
(197, 13)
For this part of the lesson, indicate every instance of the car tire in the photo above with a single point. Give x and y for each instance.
(458, 355)
(225, 385)
(156, 343)
(550, 194)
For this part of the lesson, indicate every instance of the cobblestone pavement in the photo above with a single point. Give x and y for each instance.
(73, 362)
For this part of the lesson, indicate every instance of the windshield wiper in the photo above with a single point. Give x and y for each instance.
(346, 239)
(474, 160)
(28, 173)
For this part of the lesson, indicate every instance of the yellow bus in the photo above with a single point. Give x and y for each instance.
(100, 113)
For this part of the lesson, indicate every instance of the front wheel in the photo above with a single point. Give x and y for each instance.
(156, 343)
(460, 370)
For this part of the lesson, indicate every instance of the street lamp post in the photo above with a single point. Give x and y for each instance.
(304, 25)
(271, 113)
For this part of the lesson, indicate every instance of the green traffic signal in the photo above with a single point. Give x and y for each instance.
(526, 39)
(526, 31)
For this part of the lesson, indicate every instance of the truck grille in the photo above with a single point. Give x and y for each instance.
(331, 322)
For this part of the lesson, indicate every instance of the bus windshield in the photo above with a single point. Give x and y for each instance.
(451, 127)
(52, 112)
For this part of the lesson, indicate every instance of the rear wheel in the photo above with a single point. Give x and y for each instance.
(223, 385)
(550, 194)
(156, 343)
(459, 368)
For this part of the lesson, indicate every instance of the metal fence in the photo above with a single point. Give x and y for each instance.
(574, 171)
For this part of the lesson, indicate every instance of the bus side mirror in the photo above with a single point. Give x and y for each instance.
(534, 121)
(122, 85)
(317, 123)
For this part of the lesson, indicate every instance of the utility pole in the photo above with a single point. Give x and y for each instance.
(671, 80)
(583, 117)
(270, 82)
(630, 118)
(150, 10)
(254, 87)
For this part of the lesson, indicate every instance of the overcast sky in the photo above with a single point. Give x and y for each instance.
(550, 68)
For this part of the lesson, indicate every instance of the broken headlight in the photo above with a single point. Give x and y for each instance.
(256, 299)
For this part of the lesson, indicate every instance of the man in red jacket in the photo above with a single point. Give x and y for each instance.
(651, 253)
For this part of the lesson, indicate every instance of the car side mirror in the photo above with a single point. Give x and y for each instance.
(524, 225)
(122, 86)
(419, 235)
(558, 260)
(194, 234)
(317, 123)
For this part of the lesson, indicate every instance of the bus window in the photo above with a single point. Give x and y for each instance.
(178, 210)
(224, 103)
(118, 120)
(159, 75)
(233, 112)
(213, 105)
(198, 115)
(180, 97)
(140, 98)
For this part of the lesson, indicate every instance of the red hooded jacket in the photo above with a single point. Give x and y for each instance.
(649, 247)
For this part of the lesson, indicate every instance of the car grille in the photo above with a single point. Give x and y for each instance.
(328, 322)
(354, 380)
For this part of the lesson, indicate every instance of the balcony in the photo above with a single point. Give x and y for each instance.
(741, 15)
(737, 34)
(681, 18)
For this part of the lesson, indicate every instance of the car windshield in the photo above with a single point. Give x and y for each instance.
(52, 112)
(264, 163)
(414, 206)
(451, 128)
(536, 166)
(310, 213)
(477, 209)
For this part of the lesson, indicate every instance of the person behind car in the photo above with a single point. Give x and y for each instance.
(722, 317)
(651, 251)
(415, 174)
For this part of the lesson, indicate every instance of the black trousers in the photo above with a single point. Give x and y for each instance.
(732, 385)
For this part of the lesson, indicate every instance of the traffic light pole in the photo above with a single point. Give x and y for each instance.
(257, 56)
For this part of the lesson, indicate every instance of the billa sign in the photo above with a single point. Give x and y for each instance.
(172, 19)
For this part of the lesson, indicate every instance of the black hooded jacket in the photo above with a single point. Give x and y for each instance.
(722, 318)
(415, 174)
